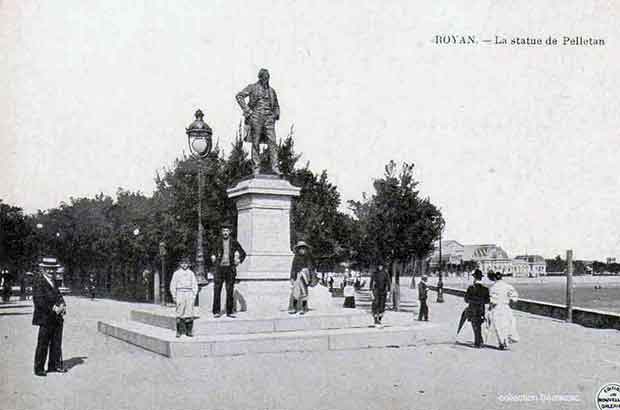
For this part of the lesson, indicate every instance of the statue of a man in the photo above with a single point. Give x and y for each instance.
(261, 113)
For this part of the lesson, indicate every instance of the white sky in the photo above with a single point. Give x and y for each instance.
(518, 146)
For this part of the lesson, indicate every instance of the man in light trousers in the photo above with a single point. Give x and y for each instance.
(184, 288)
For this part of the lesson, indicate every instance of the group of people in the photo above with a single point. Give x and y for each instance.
(184, 286)
(498, 319)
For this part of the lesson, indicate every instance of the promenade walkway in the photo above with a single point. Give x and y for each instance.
(439, 372)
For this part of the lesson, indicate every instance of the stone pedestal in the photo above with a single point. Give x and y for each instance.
(263, 226)
(265, 298)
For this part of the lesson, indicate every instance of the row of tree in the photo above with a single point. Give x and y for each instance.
(117, 239)
(580, 267)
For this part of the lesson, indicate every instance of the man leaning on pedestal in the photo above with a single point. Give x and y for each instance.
(228, 254)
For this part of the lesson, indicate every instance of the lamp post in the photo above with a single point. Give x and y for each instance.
(39, 247)
(199, 141)
(162, 256)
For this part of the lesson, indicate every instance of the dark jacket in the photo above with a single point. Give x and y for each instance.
(300, 262)
(380, 280)
(44, 297)
(477, 296)
(234, 247)
(422, 291)
(253, 91)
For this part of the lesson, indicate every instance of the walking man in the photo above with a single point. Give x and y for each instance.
(49, 310)
(228, 254)
(379, 286)
(477, 296)
(184, 288)
(422, 297)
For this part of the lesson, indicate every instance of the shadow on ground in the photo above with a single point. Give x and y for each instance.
(74, 361)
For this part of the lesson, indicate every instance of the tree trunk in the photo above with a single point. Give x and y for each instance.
(396, 285)
(418, 264)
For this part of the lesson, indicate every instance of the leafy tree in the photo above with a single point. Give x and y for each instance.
(556, 265)
(397, 224)
(16, 246)
(116, 239)
(315, 217)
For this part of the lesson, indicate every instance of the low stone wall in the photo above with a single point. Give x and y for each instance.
(585, 317)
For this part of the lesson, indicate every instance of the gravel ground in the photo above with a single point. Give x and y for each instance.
(440, 372)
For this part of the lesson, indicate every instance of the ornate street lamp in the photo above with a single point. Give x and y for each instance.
(40, 241)
(199, 140)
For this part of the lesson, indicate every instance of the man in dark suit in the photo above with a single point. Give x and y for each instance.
(422, 297)
(228, 254)
(49, 309)
(477, 296)
(380, 287)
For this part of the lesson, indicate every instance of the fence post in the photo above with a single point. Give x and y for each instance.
(569, 285)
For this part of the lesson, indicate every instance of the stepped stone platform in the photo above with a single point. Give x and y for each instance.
(247, 323)
(344, 329)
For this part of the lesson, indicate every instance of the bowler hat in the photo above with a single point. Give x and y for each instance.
(478, 274)
(301, 244)
(49, 263)
(226, 224)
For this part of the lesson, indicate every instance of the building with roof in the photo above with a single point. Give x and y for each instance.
(537, 266)
(451, 254)
(488, 257)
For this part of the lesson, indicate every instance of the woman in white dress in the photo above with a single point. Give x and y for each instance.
(501, 321)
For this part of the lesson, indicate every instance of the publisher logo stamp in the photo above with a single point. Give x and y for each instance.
(608, 397)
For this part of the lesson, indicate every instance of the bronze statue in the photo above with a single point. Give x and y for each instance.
(261, 113)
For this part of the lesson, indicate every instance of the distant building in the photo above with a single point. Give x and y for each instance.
(451, 254)
(611, 260)
(488, 257)
(493, 257)
(536, 264)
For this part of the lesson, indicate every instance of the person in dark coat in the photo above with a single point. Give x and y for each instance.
(422, 297)
(228, 254)
(298, 300)
(6, 287)
(49, 310)
(477, 296)
(92, 288)
(379, 286)
(440, 289)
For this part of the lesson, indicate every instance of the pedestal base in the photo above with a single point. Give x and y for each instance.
(263, 226)
(266, 298)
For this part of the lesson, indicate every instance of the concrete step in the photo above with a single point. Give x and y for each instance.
(246, 323)
(164, 342)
